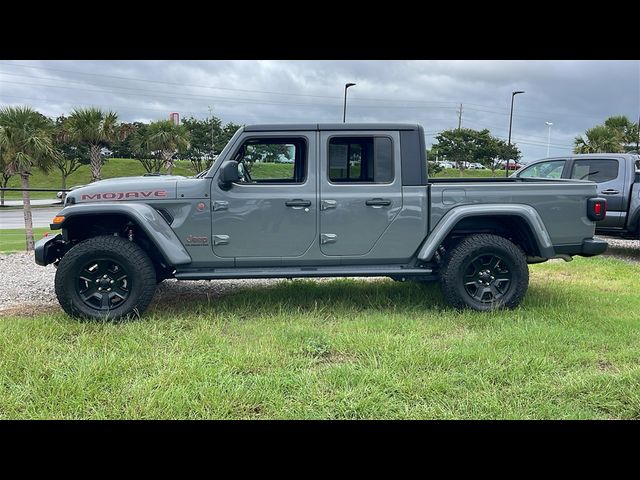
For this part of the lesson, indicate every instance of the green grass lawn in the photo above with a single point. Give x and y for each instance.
(126, 167)
(341, 349)
(14, 240)
(115, 167)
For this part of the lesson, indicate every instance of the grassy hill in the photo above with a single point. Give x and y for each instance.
(127, 167)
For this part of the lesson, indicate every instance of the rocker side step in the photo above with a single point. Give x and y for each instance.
(301, 272)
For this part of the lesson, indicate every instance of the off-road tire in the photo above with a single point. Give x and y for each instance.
(458, 262)
(141, 277)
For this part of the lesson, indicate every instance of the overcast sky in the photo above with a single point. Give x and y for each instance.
(573, 95)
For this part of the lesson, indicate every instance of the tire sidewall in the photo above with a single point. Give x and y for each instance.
(67, 277)
(456, 267)
(505, 256)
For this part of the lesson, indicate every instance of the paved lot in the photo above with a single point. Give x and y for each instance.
(14, 218)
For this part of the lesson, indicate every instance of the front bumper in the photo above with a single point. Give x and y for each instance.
(49, 249)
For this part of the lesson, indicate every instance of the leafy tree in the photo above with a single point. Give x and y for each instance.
(204, 134)
(122, 147)
(207, 139)
(141, 150)
(70, 155)
(468, 145)
(457, 145)
(26, 135)
(95, 129)
(433, 166)
(168, 139)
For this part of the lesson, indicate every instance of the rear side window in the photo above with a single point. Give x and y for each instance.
(595, 170)
(361, 160)
(544, 170)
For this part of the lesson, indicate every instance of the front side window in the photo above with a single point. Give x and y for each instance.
(544, 170)
(595, 170)
(360, 160)
(272, 160)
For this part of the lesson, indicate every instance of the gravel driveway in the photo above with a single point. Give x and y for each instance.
(28, 287)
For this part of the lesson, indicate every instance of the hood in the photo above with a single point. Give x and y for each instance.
(126, 189)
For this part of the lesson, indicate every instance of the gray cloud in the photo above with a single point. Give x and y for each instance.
(574, 95)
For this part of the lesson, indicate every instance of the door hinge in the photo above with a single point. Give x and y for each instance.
(220, 205)
(221, 239)
(328, 238)
(327, 204)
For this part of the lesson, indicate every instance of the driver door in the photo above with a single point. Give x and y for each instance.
(271, 212)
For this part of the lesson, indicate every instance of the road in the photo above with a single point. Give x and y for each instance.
(19, 203)
(15, 218)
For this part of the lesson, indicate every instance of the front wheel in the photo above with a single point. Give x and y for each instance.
(484, 272)
(105, 278)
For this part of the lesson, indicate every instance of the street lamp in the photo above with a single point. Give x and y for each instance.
(548, 124)
(513, 94)
(344, 112)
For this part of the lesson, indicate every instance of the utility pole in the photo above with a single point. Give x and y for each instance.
(460, 117)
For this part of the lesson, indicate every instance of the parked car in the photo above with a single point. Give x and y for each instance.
(445, 164)
(60, 194)
(358, 202)
(476, 166)
(617, 179)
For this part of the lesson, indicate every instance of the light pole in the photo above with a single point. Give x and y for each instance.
(513, 94)
(344, 112)
(548, 124)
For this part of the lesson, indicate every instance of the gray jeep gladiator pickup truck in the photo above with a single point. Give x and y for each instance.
(617, 177)
(317, 200)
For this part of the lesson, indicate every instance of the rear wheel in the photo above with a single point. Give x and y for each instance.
(105, 278)
(484, 272)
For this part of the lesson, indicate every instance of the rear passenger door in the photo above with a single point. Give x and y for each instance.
(360, 189)
(605, 172)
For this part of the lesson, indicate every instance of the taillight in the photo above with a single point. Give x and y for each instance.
(596, 208)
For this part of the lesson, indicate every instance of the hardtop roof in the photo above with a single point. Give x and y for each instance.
(282, 127)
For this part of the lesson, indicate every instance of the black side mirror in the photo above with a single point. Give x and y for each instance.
(228, 174)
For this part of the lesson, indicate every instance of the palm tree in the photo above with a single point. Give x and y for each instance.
(5, 173)
(96, 129)
(168, 138)
(26, 134)
(599, 139)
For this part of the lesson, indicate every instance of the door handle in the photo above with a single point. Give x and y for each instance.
(297, 203)
(610, 191)
(327, 204)
(377, 202)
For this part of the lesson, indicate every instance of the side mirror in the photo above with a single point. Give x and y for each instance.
(228, 175)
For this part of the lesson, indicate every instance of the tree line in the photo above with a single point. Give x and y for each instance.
(466, 145)
(29, 140)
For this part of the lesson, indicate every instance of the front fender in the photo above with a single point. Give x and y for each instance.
(453, 216)
(143, 215)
